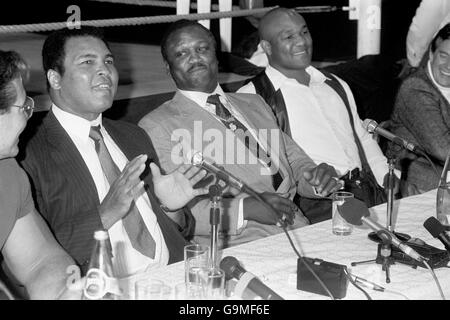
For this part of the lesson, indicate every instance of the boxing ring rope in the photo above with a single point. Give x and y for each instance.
(118, 22)
(367, 12)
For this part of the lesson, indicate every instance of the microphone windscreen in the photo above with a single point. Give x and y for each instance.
(228, 265)
(353, 210)
(370, 125)
(434, 227)
(194, 157)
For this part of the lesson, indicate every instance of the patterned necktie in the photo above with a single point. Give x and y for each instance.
(250, 142)
(140, 237)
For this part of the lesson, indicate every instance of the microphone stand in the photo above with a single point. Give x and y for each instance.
(215, 193)
(384, 252)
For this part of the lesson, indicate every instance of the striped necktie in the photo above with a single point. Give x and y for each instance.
(233, 124)
(140, 237)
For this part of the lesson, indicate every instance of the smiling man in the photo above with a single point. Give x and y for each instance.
(317, 110)
(86, 170)
(234, 124)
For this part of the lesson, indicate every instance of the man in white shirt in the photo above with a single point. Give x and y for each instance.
(206, 119)
(86, 170)
(307, 108)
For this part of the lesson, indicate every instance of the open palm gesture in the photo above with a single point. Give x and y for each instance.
(176, 189)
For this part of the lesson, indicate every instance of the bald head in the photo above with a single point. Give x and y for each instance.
(272, 22)
(286, 40)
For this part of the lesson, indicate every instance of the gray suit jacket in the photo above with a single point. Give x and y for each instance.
(183, 117)
(421, 115)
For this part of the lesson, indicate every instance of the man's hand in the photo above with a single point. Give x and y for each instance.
(122, 192)
(175, 189)
(324, 178)
(256, 211)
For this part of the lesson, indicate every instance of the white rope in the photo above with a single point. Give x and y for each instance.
(165, 4)
(214, 7)
(39, 27)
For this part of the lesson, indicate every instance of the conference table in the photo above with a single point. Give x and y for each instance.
(273, 260)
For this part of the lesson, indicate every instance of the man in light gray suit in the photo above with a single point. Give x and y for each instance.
(239, 132)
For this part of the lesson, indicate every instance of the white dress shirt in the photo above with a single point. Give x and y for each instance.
(126, 260)
(319, 123)
(201, 99)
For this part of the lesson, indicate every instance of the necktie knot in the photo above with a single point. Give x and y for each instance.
(221, 111)
(96, 135)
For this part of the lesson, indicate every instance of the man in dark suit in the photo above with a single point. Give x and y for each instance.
(86, 171)
(207, 119)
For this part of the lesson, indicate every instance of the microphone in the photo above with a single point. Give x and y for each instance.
(355, 212)
(372, 127)
(230, 265)
(197, 159)
(437, 230)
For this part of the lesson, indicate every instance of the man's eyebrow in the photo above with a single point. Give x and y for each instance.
(92, 55)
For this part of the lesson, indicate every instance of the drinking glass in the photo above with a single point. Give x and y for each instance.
(339, 225)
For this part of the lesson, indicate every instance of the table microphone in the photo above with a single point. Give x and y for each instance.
(196, 158)
(437, 230)
(230, 265)
(372, 127)
(355, 212)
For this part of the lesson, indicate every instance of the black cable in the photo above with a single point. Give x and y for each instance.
(356, 285)
(254, 194)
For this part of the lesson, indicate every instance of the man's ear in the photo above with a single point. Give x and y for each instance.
(166, 64)
(54, 78)
(266, 46)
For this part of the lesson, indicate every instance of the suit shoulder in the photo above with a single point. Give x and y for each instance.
(161, 111)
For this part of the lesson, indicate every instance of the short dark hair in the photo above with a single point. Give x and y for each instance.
(12, 67)
(53, 52)
(178, 25)
(443, 34)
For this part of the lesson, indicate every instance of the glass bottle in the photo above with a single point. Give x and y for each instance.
(101, 283)
(443, 195)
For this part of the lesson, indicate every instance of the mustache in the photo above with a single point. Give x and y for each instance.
(197, 65)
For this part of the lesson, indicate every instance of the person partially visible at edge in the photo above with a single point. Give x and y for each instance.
(32, 257)
(421, 115)
(281, 168)
(90, 172)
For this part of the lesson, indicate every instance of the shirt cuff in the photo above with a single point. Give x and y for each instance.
(241, 223)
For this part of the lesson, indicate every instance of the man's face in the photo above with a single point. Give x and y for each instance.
(440, 63)
(192, 61)
(290, 43)
(89, 82)
(12, 123)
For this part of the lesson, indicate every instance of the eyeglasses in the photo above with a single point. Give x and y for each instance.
(27, 107)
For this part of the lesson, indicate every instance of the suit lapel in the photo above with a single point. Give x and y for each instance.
(68, 159)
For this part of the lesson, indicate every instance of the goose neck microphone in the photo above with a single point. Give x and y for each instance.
(373, 127)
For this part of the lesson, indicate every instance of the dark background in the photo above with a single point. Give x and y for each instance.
(333, 33)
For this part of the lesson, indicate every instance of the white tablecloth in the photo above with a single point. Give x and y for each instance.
(275, 263)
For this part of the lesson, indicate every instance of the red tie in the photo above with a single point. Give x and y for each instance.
(140, 237)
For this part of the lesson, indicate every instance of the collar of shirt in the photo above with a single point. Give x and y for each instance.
(444, 90)
(278, 79)
(75, 125)
(201, 97)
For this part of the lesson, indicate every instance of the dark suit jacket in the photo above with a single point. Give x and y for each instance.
(65, 192)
